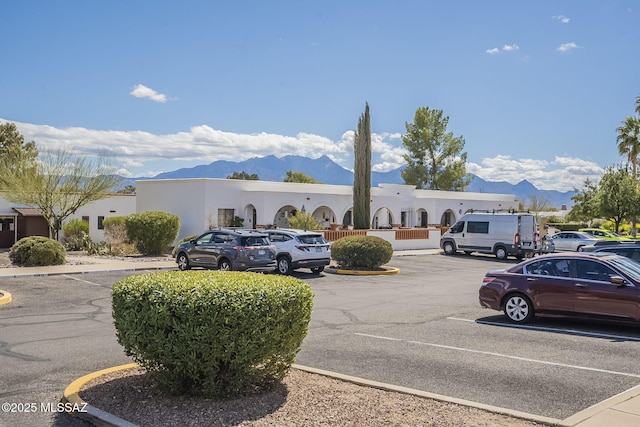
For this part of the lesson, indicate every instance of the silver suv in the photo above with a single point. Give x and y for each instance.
(299, 249)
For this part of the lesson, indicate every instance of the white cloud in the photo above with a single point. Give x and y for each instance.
(565, 47)
(141, 91)
(561, 18)
(562, 174)
(505, 48)
(138, 153)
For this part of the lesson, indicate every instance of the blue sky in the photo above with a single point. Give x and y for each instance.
(536, 88)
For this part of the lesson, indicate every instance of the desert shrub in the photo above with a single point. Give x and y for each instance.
(366, 252)
(37, 251)
(152, 232)
(115, 229)
(211, 333)
(76, 235)
(304, 221)
(181, 241)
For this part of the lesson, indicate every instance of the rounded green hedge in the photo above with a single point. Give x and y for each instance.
(365, 252)
(37, 251)
(212, 333)
(152, 232)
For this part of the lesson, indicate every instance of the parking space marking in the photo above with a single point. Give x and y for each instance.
(547, 329)
(80, 280)
(504, 356)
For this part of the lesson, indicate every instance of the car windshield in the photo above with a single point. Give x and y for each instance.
(629, 267)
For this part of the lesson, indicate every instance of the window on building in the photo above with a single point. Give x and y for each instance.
(100, 225)
(225, 217)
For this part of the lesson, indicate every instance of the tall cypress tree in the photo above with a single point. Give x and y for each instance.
(362, 173)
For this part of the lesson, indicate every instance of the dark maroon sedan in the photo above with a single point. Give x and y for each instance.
(597, 285)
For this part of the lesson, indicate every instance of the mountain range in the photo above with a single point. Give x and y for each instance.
(323, 169)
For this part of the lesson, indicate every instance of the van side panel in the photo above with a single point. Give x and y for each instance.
(485, 232)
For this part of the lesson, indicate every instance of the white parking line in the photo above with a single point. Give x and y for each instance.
(80, 280)
(505, 356)
(545, 329)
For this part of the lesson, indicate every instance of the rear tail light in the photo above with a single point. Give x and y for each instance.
(516, 239)
(487, 280)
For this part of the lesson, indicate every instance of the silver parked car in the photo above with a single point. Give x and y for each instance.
(572, 241)
(299, 249)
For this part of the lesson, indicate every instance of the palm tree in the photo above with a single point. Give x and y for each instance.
(629, 144)
(638, 104)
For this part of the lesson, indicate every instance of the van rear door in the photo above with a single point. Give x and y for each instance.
(527, 229)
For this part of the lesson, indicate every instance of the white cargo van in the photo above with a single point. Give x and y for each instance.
(502, 234)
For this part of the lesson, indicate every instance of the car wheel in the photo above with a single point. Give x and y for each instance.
(449, 248)
(580, 248)
(518, 308)
(183, 262)
(317, 270)
(224, 265)
(284, 265)
(501, 252)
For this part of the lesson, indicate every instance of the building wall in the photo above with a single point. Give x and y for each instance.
(120, 205)
(195, 200)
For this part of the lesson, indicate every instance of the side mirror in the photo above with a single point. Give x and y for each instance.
(618, 281)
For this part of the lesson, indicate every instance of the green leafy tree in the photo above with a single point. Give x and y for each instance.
(15, 153)
(128, 189)
(244, 175)
(59, 183)
(362, 173)
(618, 195)
(293, 176)
(585, 203)
(435, 160)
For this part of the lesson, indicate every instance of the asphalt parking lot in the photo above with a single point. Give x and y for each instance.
(422, 328)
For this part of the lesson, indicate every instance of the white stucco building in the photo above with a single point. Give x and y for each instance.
(18, 221)
(204, 203)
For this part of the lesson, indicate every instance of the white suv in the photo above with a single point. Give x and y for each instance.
(299, 249)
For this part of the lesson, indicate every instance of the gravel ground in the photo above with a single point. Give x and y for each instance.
(301, 399)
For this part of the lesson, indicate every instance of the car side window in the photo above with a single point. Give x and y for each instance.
(553, 267)
(593, 270)
(276, 237)
(218, 238)
(205, 238)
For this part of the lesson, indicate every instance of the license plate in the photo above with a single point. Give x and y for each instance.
(261, 252)
(318, 249)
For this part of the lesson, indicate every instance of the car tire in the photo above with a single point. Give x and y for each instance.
(580, 249)
(317, 270)
(518, 308)
(284, 265)
(224, 265)
(449, 248)
(501, 253)
(183, 262)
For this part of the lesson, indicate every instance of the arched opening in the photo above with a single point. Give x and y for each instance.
(422, 218)
(382, 218)
(281, 219)
(325, 216)
(448, 218)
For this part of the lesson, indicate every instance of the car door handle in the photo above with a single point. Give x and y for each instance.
(581, 285)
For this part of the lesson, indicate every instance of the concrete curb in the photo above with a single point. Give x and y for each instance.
(5, 297)
(424, 394)
(387, 270)
(99, 417)
(89, 413)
